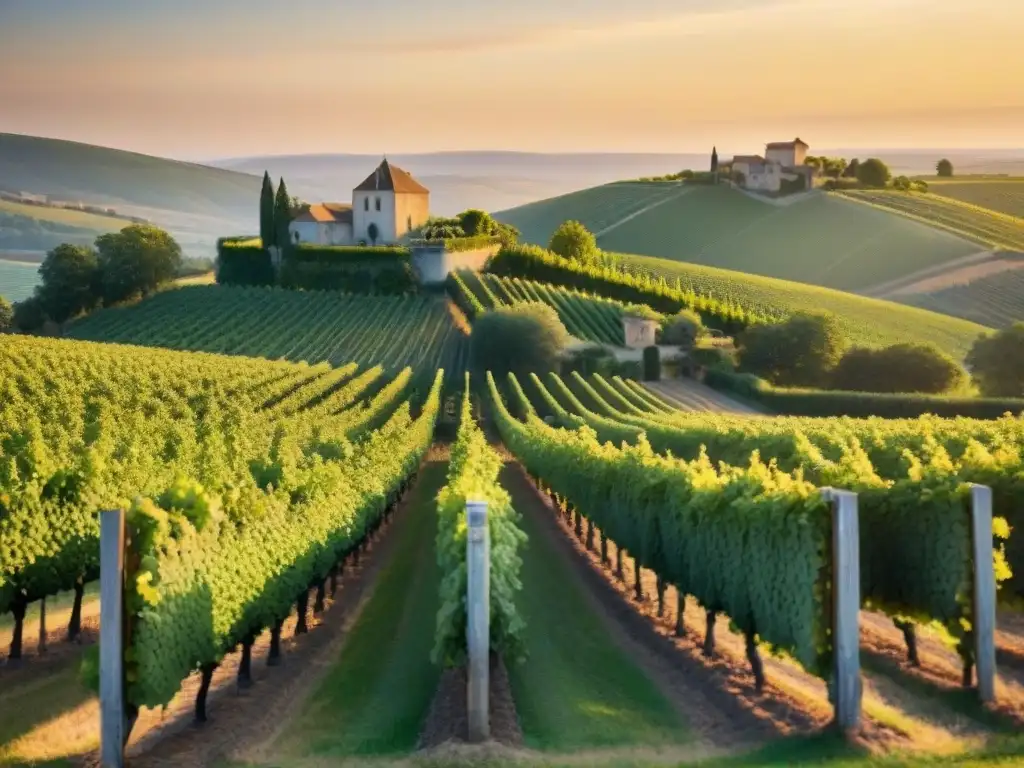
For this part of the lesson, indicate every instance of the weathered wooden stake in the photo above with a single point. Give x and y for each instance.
(75, 622)
(113, 711)
(604, 548)
(909, 630)
(983, 615)
(245, 665)
(680, 610)
(301, 609)
(274, 654)
(638, 585)
(845, 607)
(618, 564)
(478, 617)
(709, 633)
(318, 603)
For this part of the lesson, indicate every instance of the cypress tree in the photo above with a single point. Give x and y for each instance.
(267, 211)
(714, 159)
(282, 216)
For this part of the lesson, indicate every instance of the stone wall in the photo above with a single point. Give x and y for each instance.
(433, 263)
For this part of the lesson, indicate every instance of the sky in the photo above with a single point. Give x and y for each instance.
(197, 79)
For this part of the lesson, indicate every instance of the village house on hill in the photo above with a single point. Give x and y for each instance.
(784, 165)
(385, 207)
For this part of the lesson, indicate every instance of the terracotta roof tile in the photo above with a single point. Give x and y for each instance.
(391, 178)
(787, 144)
(327, 213)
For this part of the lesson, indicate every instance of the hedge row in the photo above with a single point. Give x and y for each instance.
(457, 244)
(818, 402)
(539, 264)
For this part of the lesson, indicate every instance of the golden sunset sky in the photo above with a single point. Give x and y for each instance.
(197, 79)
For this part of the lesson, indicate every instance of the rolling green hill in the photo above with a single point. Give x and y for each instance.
(67, 170)
(982, 225)
(40, 228)
(821, 239)
(1002, 194)
(17, 279)
(870, 322)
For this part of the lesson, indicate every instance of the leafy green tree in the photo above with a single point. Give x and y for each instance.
(944, 168)
(873, 173)
(29, 315)
(373, 233)
(899, 368)
(527, 338)
(70, 281)
(834, 167)
(684, 329)
(282, 216)
(901, 183)
(476, 222)
(575, 242)
(136, 260)
(996, 362)
(6, 314)
(508, 234)
(851, 169)
(800, 352)
(267, 231)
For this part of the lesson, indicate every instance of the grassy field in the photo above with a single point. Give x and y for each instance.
(72, 218)
(375, 697)
(596, 208)
(995, 300)
(17, 279)
(1005, 195)
(982, 225)
(866, 321)
(822, 240)
(576, 689)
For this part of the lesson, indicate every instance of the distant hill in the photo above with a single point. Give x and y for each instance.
(460, 180)
(818, 238)
(196, 203)
(1001, 194)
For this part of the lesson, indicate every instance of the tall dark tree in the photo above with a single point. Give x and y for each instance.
(944, 168)
(714, 159)
(282, 216)
(267, 231)
(851, 169)
(70, 281)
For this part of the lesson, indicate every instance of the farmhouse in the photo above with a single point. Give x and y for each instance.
(784, 164)
(386, 206)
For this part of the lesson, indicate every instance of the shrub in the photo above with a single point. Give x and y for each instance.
(652, 363)
(797, 353)
(684, 329)
(29, 315)
(526, 338)
(944, 168)
(596, 359)
(996, 362)
(899, 368)
(575, 242)
(824, 403)
(873, 173)
(243, 261)
(902, 183)
(6, 314)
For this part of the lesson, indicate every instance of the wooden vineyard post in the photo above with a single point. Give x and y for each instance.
(113, 712)
(845, 607)
(478, 617)
(983, 615)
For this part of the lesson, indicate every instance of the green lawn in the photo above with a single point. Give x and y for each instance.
(577, 689)
(1005, 195)
(870, 322)
(374, 699)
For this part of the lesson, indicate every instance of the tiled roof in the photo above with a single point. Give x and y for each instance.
(748, 159)
(391, 178)
(788, 144)
(326, 213)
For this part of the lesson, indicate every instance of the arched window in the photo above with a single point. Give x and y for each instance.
(366, 203)
(377, 201)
